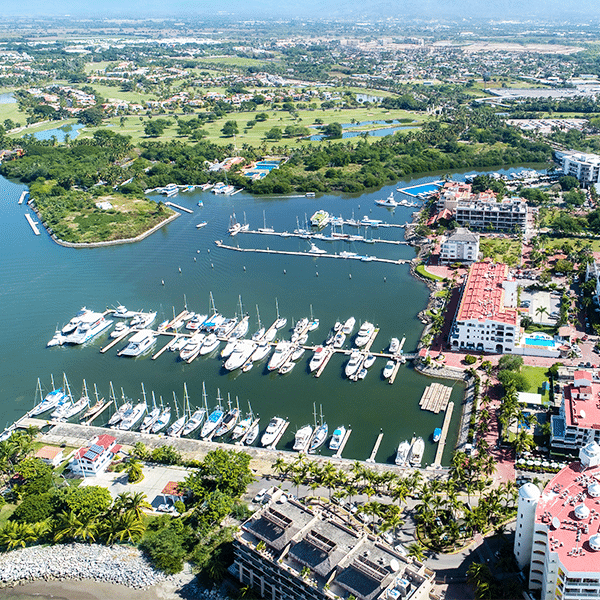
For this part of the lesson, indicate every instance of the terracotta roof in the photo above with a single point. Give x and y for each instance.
(48, 452)
(105, 441)
(580, 412)
(483, 295)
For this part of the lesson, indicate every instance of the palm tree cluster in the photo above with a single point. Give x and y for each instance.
(14, 449)
(122, 522)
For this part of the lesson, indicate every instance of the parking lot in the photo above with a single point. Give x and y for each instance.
(155, 479)
(543, 306)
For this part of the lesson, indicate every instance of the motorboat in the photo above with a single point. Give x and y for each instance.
(362, 373)
(281, 354)
(314, 324)
(320, 219)
(229, 348)
(261, 352)
(252, 433)
(210, 344)
(195, 322)
(162, 421)
(316, 250)
(57, 340)
(366, 222)
(415, 455)
(369, 361)
(302, 438)
(273, 430)
(163, 325)
(297, 353)
(121, 329)
(286, 367)
(339, 339)
(122, 312)
(437, 434)
(317, 359)
(212, 422)
(319, 437)
(243, 351)
(177, 344)
(337, 438)
(270, 335)
(52, 400)
(354, 364)
(71, 326)
(388, 369)
(91, 324)
(402, 453)
(337, 326)
(194, 421)
(228, 423)
(142, 320)
(201, 224)
(364, 334)
(134, 417)
(139, 343)
(348, 326)
(192, 347)
(389, 202)
(394, 346)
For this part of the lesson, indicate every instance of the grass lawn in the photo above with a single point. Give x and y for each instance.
(10, 110)
(501, 250)
(420, 269)
(535, 377)
(109, 91)
(234, 61)
(5, 512)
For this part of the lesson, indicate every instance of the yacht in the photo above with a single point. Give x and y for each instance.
(57, 340)
(273, 430)
(339, 339)
(139, 343)
(123, 313)
(163, 420)
(415, 455)
(228, 422)
(192, 348)
(229, 348)
(71, 326)
(252, 433)
(394, 346)
(243, 351)
(281, 354)
(121, 329)
(202, 224)
(316, 250)
(348, 326)
(369, 361)
(286, 367)
(261, 352)
(437, 434)
(150, 419)
(52, 400)
(362, 373)
(318, 357)
(302, 438)
(314, 324)
(337, 438)
(389, 202)
(354, 364)
(90, 326)
(210, 344)
(195, 322)
(319, 437)
(142, 320)
(194, 421)
(134, 417)
(213, 421)
(402, 453)
(388, 369)
(364, 334)
(320, 219)
(297, 353)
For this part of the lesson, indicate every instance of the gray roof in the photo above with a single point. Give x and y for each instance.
(462, 234)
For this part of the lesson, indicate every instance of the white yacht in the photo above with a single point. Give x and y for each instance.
(281, 354)
(415, 455)
(194, 421)
(286, 367)
(243, 351)
(389, 202)
(369, 361)
(339, 339)
(57, 340)
(252, 433)
(364, 334)
(71, 326)
(139, 343)
(122, 312)
(142, 320)
(337, 438)
(348, 326)
(394, 345)
(297, 353)
(192, 347)
(91, 324)
(210, 344)
(302, 438)
(388, 369)
(229, 348)
(402, 453)
(261, 352)
(163, 420)
(354, 364)
(318, 357)
(121, 329)
(134, 417)
(274, 428)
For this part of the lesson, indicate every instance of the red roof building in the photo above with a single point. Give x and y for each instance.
(95, 458)
(51, 455)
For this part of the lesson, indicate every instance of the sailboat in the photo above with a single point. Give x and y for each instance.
(264, 228)
(241, 329)
(197, 417)
(55, 398)
(177, 426)
(321, 432)
(229, 420)
(253, 432)
(151, 417)
(163, 419)
(92, 411)
(257, 335)
(122, 410)
(214, 418)
(281, 321)
(244, 425)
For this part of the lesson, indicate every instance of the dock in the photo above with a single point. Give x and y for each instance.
(338, 454)
(371, 458)
(435, 397)
(330, 353)
(242, 441)
(442, 443)
(94, 417)
(368, 345)
(33, 224)
(279, 436)
(400, 261)
(268, 330)
(319, 236)
(23, 195)
(395, 371)
(179, 317)
(173, 205)
(115, 342)
(165, 347)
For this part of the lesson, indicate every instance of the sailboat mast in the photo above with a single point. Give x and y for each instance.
(204, 397)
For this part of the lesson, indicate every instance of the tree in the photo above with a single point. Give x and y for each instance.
(274, 134)
(333, 131)
(127, 502)
(230, 129)
(567, 182)
(164, 547)
(15, 534)
(511, 362)
(87, 501)
(416, 551)
(134, 471)
(91, 116)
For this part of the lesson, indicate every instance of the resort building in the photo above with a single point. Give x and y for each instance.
(592, 271)
(509, 214)
(557, 531)
(51, 455)
(288, 551)
(95, 458)
(578, 420)
(460, 246)
(487, 319)
(452, 193)
(584, 167)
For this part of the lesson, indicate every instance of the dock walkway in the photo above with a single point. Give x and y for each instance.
(435, 397)
(339, 451)
(371, 458)
(173, 205)
(33, 224)
(442, 443)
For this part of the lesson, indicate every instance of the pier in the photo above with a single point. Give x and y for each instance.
(435, 397)
(395, 371)
(23, 196)
(166, 347)
(371, 458)
(33, 224)
(279, 436)
(173, 205)
(115, 342)
(319, 236)
(94, 417)
(368, 345)
(442, 443)
(400, 261)
(330, 353)
(338, 454)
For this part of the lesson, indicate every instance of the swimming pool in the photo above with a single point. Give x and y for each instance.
(539, 341)
(425, 188)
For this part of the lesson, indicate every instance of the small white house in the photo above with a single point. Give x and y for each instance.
(91, 460)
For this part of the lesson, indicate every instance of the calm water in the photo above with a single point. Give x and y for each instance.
(45, 285)
(60, 133)
(7, 98)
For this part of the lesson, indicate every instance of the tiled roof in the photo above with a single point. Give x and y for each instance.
(48, 452)
(172, 489)
(483, 295)
(583, 413)
(105, 440)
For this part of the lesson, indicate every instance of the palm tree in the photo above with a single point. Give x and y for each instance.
(134, 471)
(15, 534)
(392, 519)
(416, 551)
(541, 310)
(127, 502)
(67, 525)
(280, 467)
(87, 529)
(129, 528)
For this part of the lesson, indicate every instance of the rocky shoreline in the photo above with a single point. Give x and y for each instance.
(124, 565)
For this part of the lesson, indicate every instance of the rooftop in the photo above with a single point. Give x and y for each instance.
(483, 295)
(48, 452)
(569, 507)
(462, 234)
(582, 405)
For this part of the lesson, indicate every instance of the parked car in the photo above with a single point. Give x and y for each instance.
(260, 496)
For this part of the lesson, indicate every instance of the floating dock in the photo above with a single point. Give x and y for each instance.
(94, 417)
(442, 443)
(115, 342)
(276, 440)
(330, 353)
(173, 205)
(339, 451)
(371, 458)
(392, 377)
(319, 236)
(166, 346)
(368, 345)
(33, 224)
(23, 196)
(435, 397)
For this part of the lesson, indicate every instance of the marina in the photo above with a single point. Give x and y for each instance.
(435, 397)
(437, 461)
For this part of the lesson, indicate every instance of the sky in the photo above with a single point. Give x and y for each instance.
(372, 9)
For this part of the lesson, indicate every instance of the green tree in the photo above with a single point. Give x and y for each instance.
(230, 129)
(87, 501)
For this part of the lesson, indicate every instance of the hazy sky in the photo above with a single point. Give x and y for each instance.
(373, 9)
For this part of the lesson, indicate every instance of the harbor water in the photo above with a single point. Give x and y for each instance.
(44, 285)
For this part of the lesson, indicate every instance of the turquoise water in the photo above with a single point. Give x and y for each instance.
(7, 99)
(539, 342)
(59, 133)
(427, 188)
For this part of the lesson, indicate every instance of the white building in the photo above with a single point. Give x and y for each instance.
(509, 214)
(584, 167)
(94, 459)
(592, 270)
(487, 319)
(560, 529)
(578, 421)
(452, 193)
(460, 246)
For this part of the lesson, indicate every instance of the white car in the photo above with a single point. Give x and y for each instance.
(167, 508)
(260, 496)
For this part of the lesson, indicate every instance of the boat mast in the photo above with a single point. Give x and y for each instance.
(176, 406)
(52, 380)
(112, 395)
(96, 393)
(85, 393)
(153, 401)
(186, 401)
(204, 398)
(211, 305)
(321, 408)
(144, 395)
(219, 399)
(315, 414)
(66, 384)
(277, 308)
(258, 316)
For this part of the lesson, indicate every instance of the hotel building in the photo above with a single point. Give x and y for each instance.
(460, 246)
(509, 214)
(584, 167)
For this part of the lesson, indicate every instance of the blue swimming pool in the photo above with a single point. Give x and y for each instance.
(426, 188)
(539, 341)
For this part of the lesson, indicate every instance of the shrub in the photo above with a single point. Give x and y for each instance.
(470, 359)
(165, 549)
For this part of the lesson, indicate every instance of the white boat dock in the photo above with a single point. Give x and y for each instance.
(279, 436)
(339, 451)
(33, 224)
(115, 342)
(94, 417)
(178, 207)
(330, 353)
(23, 196)
(371, 458)
(169, 345)
(317, 236)
(442, 443)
